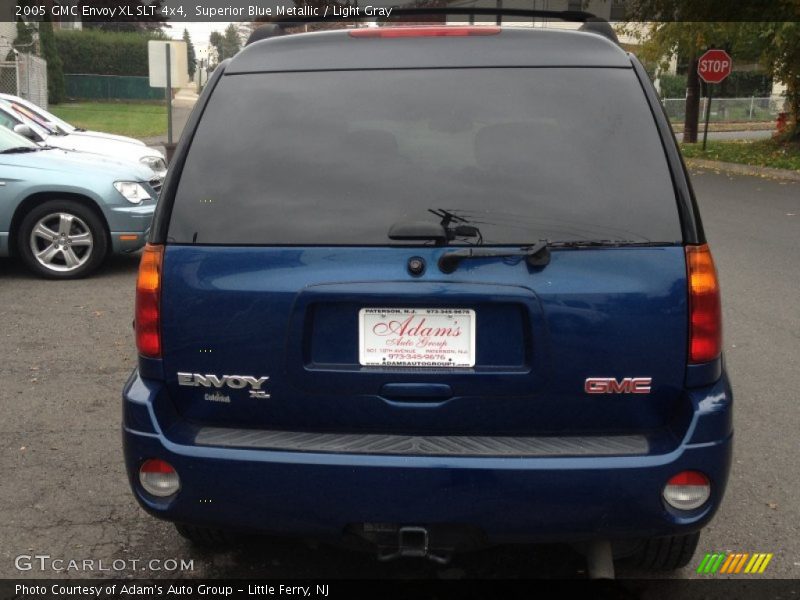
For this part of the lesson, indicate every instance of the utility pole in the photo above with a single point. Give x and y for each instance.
(692, 113)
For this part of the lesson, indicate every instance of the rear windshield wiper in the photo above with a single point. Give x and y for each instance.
(537, 255)
(20, 150)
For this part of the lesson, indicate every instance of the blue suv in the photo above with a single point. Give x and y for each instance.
(431, 288)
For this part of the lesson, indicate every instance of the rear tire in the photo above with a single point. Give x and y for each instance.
(205, 536)
(666, 553)
(62, 239)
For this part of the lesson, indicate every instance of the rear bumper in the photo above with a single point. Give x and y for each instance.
(510, 499)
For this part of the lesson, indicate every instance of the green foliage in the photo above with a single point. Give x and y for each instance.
(24, 40)
(226, 44)
(99, 52)
(215, 40)
(741, 84)
(191, 55)
(770, 36)
(761, 153)
(231, 41)
(661, 41)
(56, 88)
(672, 86)
(781, 52)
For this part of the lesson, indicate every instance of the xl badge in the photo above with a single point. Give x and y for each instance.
(234, 382)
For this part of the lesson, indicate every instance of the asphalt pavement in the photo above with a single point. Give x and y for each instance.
(67, 350)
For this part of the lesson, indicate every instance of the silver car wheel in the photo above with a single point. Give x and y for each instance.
(61, 242)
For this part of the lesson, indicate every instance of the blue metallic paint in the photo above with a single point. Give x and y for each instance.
(591, 312)
(511, 499)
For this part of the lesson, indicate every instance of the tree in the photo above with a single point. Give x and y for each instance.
(687, 28)
(56, 87)
(688, 40)
(781, 55)
(190, 53)
(227, 44)
(24, 42)
(215, 41)
(231, 41)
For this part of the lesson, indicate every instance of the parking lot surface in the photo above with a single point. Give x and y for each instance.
(67, 349)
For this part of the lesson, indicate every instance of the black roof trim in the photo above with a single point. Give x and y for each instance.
(513, 47)
(591, 22)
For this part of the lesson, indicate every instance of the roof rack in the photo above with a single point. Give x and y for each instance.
(591, 23)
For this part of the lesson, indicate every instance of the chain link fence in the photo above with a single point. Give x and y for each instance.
(32, 79)
(25, 77)
(729, 110)
(8, 77)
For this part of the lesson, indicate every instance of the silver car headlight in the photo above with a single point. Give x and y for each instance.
(156, 163)
(133, 192)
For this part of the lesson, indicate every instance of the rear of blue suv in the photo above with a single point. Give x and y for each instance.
(432, 288)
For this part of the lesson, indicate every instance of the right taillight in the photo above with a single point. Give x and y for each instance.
(148, 302)
(705, 311)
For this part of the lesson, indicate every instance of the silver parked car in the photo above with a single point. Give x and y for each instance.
(63, 212)
(31, 121)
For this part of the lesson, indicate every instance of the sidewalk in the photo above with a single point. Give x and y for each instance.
(741, 169)
(182, 104)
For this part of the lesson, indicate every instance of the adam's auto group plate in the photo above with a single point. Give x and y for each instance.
(416, 337)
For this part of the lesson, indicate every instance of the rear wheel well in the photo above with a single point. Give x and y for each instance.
(34, 199)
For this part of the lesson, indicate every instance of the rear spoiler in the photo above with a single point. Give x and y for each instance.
(591, 22)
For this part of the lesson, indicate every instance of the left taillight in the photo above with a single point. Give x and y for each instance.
(148, 302)
(159, 478)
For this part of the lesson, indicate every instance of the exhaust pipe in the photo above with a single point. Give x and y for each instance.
(599, 560)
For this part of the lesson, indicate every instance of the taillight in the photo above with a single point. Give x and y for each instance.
(705, 311)
(398, 32)
(688, 490)
(159, 478)
(148, 302)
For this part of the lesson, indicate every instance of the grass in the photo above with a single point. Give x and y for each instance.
(138, 120)
(760, 153)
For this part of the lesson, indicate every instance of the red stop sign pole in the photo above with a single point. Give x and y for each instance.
(713, 67)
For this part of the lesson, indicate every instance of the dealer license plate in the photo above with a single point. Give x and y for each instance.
(416, 337)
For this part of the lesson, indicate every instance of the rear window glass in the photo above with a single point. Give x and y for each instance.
(337, 158)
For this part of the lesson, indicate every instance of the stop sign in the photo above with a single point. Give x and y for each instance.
(714, 66)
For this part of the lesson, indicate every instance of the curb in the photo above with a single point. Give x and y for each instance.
(739, 169)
